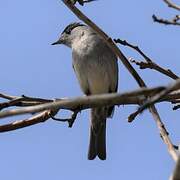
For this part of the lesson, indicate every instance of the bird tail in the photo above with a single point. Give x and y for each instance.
(97, 146)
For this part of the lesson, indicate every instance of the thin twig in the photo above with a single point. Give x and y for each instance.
(81, 2)
(172, 5)
(153, 65)
(176, 107)
(13, 102)
(39, 118)
(149, 62)
(125, 43)
(7, 96)
(176, 18)
(157, 97)
(69, 120)
(41, 100)
(172, 97)
(164, 133)
(21, 101)
(165, 21)
(150, 101)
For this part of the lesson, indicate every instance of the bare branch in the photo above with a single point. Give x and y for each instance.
(134, 97)
(132, 116)
(69, 120)
(153, 65)
(176, 107)
(157, 97)
(164, 133)
(152, 100)
(39, 118)
(88, 1)
(172, 5)
(128, 98)
(125, 43)
(176, 173)
(172, 97)
(85, 102)
(9, 97)
(149, 62)
(81, 2)
(21, 101)
(176, 18)
(174, 21)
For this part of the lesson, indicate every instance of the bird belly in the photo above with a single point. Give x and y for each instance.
(98, 82)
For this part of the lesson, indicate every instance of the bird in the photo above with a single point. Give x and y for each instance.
(96, 68)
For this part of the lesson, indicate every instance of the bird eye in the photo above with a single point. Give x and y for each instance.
(68, 32)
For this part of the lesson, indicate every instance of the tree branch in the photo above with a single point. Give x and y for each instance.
(153, 65)
(80, 103)
(174, 21)
(150, 101)
(149, 62)
(69, 120)
(39, 118)
(51, 109)
(172, 5)
(21, 101)
(136, 48)
(164, 133)
(81, 2)
(157, 97)
(176, 173)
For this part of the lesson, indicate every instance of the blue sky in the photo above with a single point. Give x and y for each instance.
(31, 66)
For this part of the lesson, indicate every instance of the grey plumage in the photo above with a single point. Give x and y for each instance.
(96, 68)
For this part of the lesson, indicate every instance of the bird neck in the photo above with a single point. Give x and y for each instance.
(84, 44)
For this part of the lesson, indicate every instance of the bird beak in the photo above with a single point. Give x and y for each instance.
(59, 41)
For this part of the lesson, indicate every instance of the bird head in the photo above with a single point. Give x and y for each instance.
(72, 33)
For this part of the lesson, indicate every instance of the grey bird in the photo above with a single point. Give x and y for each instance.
(96, 68)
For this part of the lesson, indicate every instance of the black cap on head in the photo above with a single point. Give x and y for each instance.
(66, 31)
(71, 26)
